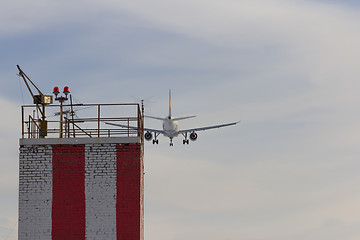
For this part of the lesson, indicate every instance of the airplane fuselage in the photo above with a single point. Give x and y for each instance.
(170, 128)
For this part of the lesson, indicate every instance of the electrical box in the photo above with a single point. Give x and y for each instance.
(43, 99)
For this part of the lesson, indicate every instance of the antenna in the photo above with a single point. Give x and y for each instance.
(142, 107)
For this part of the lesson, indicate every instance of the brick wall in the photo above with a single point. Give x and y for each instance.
(77, 191)
(128, 212)
(100, 182)
(35, 192)
(68, 202)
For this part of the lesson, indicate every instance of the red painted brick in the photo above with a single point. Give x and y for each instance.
(129, 207)
(68, 207)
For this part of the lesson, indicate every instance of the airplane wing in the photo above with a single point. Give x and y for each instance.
(207, 128)
(131, 127)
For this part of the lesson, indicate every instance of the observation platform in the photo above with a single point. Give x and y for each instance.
(81, 121)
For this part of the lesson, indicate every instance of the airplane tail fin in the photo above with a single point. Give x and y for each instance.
(169, 103)
(175, 119)
(170, 116)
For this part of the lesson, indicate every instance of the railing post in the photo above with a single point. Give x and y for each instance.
(138, 121)
(61, 120)
(98, 120)
(128, 128)
(37, 131)
(22, 121)
(29, 128)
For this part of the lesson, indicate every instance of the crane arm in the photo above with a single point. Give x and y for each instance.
(26, 79)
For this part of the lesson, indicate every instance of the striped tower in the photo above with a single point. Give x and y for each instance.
(88, 188)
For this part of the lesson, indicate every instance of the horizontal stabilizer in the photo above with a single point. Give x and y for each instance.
(182, 118)
(157, 118)
(135, 128)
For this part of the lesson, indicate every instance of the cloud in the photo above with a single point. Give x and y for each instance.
(187, 195)
(21, 16)
(10, 133)
(288, 69)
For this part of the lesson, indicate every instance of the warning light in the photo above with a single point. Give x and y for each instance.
(56, 91)
(66, 90)
(61, 98)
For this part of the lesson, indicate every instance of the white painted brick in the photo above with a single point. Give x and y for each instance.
(35, 193)
(100, 191)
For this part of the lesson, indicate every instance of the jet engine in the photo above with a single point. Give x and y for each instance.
(193, 136)
(148, 136)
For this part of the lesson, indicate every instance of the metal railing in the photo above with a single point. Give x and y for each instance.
(91, 123)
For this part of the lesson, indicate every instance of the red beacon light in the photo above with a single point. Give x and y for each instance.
(56, 91)
(66, 90)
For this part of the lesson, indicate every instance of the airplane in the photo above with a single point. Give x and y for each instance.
(171, 128)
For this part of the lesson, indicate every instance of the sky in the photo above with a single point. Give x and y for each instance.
(287, 69)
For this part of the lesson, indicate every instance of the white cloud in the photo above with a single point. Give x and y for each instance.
(291, 193)
(288, 69)
(10, 133)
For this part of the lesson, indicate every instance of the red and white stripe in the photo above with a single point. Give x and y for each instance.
(81, 191)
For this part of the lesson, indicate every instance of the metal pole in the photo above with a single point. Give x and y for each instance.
(22, 121)
(33, 129)
(72, 115)
(61, 118)
(29, 127)
(98, 120)
(142, 119)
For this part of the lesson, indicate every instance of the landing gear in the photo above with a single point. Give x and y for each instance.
(155, 138)
(186, 140)
(171, 142)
